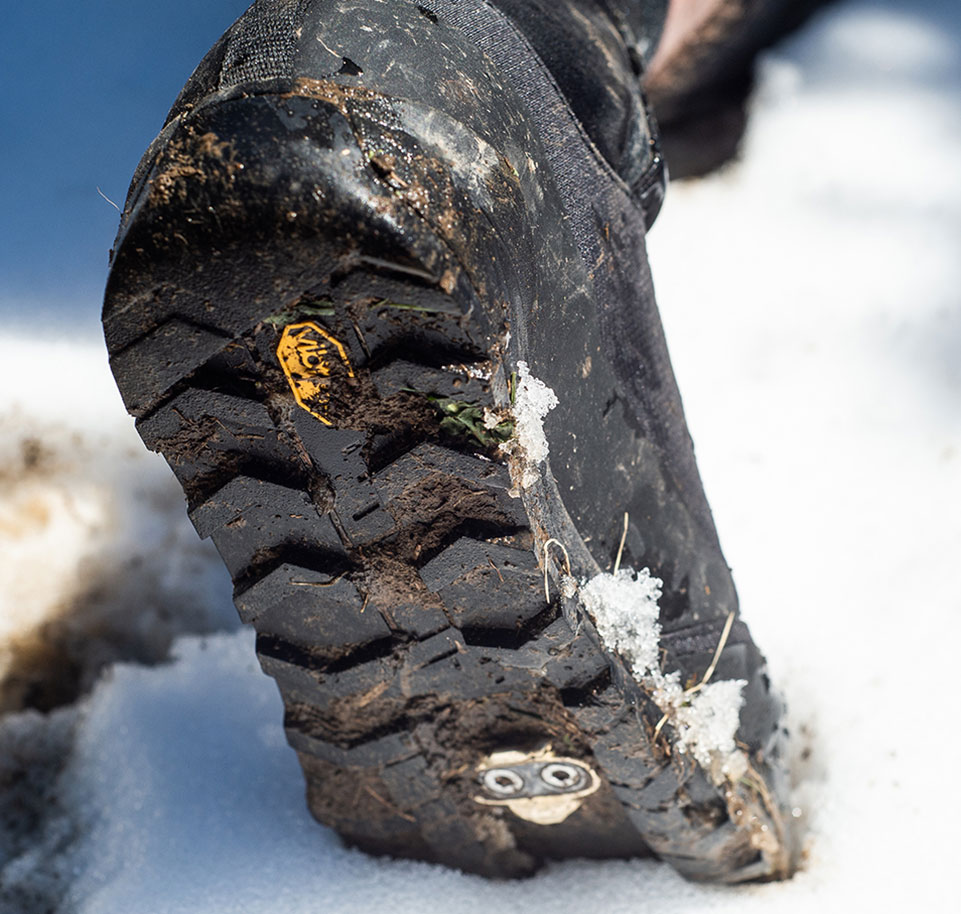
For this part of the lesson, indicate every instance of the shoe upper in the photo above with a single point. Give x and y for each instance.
(581, 42)
(598, 74)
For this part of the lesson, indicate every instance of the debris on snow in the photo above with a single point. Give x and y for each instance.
(98, 562)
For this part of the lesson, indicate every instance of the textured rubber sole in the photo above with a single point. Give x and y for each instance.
(290, 327)
(386, 567)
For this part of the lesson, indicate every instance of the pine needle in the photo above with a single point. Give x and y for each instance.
(620, 549)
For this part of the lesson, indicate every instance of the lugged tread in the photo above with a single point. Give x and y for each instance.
(150, 367)
(509, 578)
(284, 604)
(249, 517)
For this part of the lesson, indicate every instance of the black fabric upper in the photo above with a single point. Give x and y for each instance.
(589, 59)
(594, 49)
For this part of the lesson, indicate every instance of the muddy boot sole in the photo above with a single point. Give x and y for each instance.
(324, 303)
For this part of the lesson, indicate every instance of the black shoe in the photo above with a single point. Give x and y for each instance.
(371, 257)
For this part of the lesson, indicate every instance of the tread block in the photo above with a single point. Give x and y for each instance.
(415, 468)
(486, 585)
(245, 495)
(385, 750)
(248, 516)
(236, 416)
(310, 608)
(147, 369)
(576, 664)
(379, 287)
(297, 684)
(441, 645)
(339, 455)
(466, 554)
(437, 318)
(414, 616)
(464, 677)
(201, 430)
(457, 381)
(321, 690)
(554, 653)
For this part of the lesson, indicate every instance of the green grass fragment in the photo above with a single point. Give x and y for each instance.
(464, 419)
(318, 308)
(404, 306)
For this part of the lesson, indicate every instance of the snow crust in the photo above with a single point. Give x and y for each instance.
(706, 723)
(533, 400)
(625, 611)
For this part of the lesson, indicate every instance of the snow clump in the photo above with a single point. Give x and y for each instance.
(625, 610)
(533, 400)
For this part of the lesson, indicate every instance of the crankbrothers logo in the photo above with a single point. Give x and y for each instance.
(312, 360)
(538, 786)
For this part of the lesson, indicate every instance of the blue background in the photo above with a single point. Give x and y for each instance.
(86, 86)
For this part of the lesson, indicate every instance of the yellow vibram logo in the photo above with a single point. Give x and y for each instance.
(311, 358)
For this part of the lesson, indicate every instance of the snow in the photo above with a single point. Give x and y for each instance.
(625, 612)
(624, 608)
(707, 721)
(533, 400)
(91, 524)
(816, 343)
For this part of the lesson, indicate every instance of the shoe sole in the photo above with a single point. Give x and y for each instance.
(316, 367)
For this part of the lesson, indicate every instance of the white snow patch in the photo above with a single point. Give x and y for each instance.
(533, 400)
(625, 611)
(707, 721)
